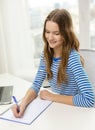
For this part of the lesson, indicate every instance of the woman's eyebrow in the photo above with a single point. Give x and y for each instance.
(52, 31)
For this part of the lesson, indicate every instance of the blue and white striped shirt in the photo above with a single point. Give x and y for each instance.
(78, 84)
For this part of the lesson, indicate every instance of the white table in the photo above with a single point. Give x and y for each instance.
(55, 117)
(20, 87)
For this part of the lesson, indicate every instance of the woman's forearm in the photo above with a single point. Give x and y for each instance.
(29, 96)
(62, 99)
(44, 94)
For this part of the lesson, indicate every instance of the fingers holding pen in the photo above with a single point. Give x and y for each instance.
(17, 113)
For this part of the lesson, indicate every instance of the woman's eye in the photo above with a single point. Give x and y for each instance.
(47, 32)
(56, 33)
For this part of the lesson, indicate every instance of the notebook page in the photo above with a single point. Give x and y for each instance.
(34, 109)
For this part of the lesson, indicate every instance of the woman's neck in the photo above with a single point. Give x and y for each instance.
(57, 53)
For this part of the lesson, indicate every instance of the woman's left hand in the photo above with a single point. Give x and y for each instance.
(45, 94)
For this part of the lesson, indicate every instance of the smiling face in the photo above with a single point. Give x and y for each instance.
(52, 35)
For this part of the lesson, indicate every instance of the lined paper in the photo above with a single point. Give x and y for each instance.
(33, 111)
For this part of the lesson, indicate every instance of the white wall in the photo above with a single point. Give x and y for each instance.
(3, 58)
(84, 29)
(15, 36)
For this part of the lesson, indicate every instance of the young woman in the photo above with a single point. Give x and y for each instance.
(61, 64)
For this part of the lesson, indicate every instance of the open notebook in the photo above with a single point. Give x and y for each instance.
(33, 111)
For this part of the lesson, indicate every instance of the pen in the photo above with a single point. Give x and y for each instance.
(15, 100)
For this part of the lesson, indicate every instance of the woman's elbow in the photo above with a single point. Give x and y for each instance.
(90, 102)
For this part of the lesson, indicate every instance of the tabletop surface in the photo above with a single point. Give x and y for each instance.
(56, 117)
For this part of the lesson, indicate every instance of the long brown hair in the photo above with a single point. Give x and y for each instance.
(63, 18)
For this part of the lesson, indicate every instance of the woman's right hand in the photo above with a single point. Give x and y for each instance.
(21, 111)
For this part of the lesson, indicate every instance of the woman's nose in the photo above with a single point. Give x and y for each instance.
(50, 36)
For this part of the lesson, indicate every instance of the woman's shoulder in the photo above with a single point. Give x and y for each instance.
(74, 54)
(42, 58)
(42, 55)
